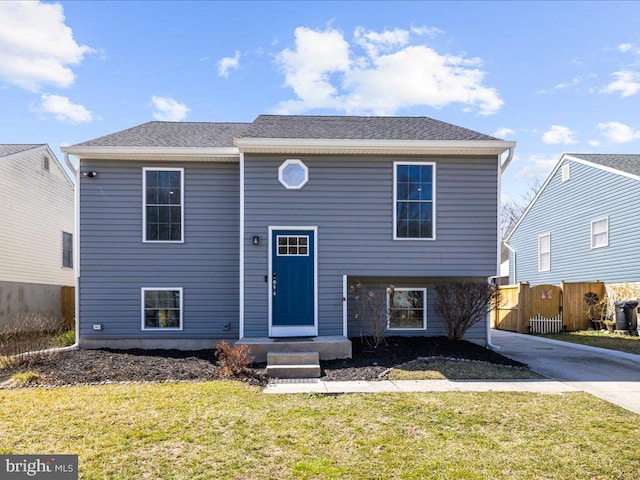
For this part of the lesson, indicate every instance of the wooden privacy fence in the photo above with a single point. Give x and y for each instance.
(68, 307)
(520, 303)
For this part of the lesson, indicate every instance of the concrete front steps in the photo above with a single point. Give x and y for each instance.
(329, 347)
(293, 364)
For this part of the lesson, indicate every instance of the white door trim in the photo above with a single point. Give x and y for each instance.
(294, 331)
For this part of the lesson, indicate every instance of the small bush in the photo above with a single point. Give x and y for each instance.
(26, 378)
(64, 339)
(463, 304)
(234, 360)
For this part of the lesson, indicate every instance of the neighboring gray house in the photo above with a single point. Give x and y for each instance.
(195, 232)
(36, 233)
(583, 225)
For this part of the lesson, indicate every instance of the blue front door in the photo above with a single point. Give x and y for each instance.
(293, 283)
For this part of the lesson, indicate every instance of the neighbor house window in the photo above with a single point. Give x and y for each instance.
(600, 233)
(293, 174)
(162, 308)
(407, 309)
(67, 250)
(45, 163)
(544, 253)
(163, 204)
(566, 172)
(414, 198)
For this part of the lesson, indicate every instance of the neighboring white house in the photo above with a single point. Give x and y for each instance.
(36, 231)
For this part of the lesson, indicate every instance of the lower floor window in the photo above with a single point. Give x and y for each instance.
(162, 308)
(407, 309)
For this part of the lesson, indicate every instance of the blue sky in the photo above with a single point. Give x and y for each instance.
(554, 76)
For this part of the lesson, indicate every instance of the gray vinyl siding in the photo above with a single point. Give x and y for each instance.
(350, 200)
(566, 210)
(115, 264)
(435, 326)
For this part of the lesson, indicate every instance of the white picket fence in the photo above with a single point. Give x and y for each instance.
(539, 324)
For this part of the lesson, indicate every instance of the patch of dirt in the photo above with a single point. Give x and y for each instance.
(99, 366)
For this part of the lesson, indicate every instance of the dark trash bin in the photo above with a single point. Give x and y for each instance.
(626, 316)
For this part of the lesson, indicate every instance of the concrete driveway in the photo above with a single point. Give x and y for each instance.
(608, 374)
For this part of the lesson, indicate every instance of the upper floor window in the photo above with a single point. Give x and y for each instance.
(163, 204)
(45, 163)
(600, 233)
(414, 200)
(67, 250)
(544, 253)
(293, 174)
(566, 172)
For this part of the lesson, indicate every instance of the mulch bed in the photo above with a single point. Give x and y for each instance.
(102, 366)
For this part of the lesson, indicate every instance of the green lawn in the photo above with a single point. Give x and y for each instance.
(456, 370)
(229, 430)
(596, 338)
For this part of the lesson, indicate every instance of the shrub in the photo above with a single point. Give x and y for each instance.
(371, 310)
(234, 360)
(64, 339)
(463, 304)
(30, 332)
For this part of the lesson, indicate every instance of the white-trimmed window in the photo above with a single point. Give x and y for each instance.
(293, 174)
(162, 308)
(414, 187)
(407, 309)
(67, 250)
(163, 213)
(566, 172)
(600, 233)
(544, 253)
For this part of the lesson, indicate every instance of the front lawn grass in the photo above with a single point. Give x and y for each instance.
(458, 370)
(229, 430)
(598, 338)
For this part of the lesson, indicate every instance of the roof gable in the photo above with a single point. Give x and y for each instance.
(627, 165)
(7, 149)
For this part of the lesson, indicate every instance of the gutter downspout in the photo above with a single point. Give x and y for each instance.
(503, 167)
(76, 245)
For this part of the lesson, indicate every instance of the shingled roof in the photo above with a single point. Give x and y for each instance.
(361, 128)
(629, 163)
(11, 148)
(172, 134)
(213, 134)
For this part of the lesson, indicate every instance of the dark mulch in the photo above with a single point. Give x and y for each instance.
(369, 362)
(96, 366)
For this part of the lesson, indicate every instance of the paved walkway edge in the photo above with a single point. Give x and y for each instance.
(578, 346)
(383, 386)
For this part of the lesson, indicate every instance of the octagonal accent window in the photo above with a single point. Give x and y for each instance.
(293, 174)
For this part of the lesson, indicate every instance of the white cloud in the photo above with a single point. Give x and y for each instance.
(559, 134)
(627, 83)
(228, 63)
(536, 167)
(62, 109)
(391, 73)
(424, 30)
(617, 132)
(594, 143)
(36, 47)
(503, 132)
(169, 110)
(624, 47)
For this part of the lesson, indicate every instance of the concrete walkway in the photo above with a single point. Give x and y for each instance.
(611, 375)
(314, 385)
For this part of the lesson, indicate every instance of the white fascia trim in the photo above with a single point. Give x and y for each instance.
(327, 144)
(601, 167)
(128, 153)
